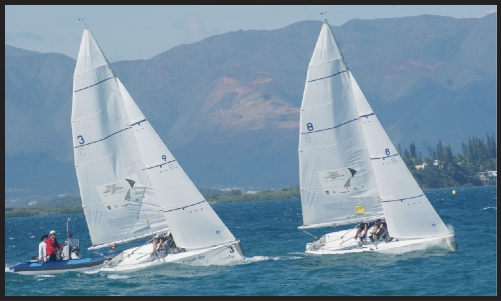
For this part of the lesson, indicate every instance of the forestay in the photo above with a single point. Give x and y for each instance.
(192, 221)
(408, 212)
(118, 198)
(337, 182)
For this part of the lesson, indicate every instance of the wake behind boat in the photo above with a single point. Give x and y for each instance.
(350, 172)
(131, 185)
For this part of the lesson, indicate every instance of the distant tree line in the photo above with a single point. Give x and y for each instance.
(73, 204)
(32, 210)
(443, 169)
(236, 195)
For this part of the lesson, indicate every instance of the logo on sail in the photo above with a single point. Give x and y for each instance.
(341, 180)
(121, 193)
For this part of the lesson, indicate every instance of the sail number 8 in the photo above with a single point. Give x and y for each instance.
(387, 151)
(309, 125)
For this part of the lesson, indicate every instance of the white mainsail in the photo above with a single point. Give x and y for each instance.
(192, 221)
(339, 134)
(119, 201)
(337, 182)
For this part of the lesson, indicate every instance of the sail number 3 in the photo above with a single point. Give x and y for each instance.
(82, 141)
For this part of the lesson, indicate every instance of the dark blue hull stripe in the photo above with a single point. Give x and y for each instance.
(159, 165)
(94, 84)
(384, 157)
(184, 207)
(85, 144)
(138, 123)
(331, 127)
(401, 200)
(326, 76)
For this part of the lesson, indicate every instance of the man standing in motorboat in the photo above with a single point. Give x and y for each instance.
(51, 245)
(41, 248)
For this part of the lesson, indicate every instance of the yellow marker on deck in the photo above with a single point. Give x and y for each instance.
(454, 192)
(360, 209)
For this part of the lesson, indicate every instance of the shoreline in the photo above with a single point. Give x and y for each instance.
(268, 195)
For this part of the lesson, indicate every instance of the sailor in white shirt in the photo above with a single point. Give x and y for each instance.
(41, 248)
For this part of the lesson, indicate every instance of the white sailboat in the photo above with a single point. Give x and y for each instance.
(350, 172)
(131, 185)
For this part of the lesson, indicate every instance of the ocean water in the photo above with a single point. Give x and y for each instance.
(275, 262)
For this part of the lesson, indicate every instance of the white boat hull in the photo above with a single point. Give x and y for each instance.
(139, 258)
(343, 242)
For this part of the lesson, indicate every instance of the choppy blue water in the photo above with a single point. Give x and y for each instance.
(275, 263)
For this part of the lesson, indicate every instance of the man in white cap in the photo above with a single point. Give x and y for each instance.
(51, 245)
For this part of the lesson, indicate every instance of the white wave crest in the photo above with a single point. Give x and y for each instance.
(115, 276)
(487, 208)
(451, 228)
(248, 260)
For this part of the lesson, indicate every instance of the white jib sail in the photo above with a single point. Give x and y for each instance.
(118, 198)
(408, 212)
(192, 221)
(337, 182)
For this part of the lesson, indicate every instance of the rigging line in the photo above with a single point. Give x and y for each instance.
(309, 234)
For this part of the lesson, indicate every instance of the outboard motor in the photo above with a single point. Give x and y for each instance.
(65, 255)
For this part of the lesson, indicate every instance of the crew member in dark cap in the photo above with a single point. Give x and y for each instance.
(41, 248)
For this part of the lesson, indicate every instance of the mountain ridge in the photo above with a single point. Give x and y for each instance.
(228, 106)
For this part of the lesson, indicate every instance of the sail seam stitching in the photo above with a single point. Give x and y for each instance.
(158, 165)
(185, 206)
(401, 200)
(75, 75)
(331, 127)
(137, 122)
(306, 149)
(93, 84)
(86, 116)
(103, 138)
(94, 160)
(377, 158)
(326, 76)
(324, 62)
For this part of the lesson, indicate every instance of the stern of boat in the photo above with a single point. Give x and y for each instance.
(218, 255)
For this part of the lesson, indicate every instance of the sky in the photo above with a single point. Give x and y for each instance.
(141, 32)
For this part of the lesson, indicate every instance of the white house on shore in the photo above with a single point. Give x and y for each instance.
(436, 165)
(488, 175)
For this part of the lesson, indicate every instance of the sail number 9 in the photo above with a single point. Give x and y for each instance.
(164, 158)
(309, 126)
